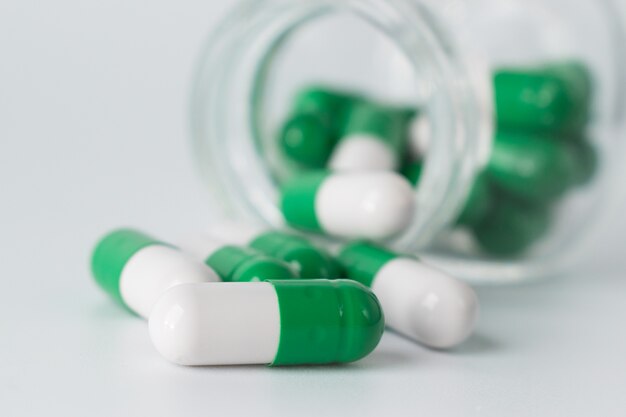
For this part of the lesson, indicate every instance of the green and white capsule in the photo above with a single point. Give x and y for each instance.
(374, 138)
(420, 302)
(306, 259)
(135, 269)
(238, 264)
(553, 98)
(369, 205)
(277, 323)
(309, 135)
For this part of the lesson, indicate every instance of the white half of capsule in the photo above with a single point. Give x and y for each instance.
(425, 304)
(153, 270)
(217, 324)
(369, 205)
(363, 152)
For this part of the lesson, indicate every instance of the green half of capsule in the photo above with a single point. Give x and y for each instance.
(532, 167)
(308, 260)
(298, 200)
(387, 124)
(324, 321)
(553, 98)
(329, 103)
(308, 139)
(318, 116)
(363, 260)
(512, 227)
(111, 255)
(238, 264)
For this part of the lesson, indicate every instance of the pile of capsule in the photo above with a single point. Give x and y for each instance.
(243, 295)
(357, 159)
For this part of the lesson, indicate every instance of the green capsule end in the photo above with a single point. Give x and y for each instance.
(389, 125)
(554, 98)
(323, 321)
(111, 255)
(309, 261)
(308, 140)
(298, 200)
(511, 228)
(531, 167)
(237, 264)
(362, 261)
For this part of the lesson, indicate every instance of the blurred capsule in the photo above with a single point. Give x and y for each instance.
(374, 138)
(310, 134)
(554, 98)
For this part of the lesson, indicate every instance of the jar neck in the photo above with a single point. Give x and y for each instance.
(229, 126)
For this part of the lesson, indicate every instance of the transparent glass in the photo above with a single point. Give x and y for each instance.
(438, 56)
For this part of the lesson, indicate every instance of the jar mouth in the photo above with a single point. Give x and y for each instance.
(230, 127)
(232, 88)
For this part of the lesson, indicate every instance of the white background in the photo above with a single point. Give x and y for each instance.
(93, 136)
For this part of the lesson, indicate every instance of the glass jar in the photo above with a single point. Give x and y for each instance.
(444, 57)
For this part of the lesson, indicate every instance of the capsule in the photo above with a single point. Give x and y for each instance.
(420, 302)
(532, 167)
(512, 227)
(301, 322)
(372, 205)
(309, 135)
(238, 264)
(135, 269)
(553, 98)
(374, 138)
(305, 258)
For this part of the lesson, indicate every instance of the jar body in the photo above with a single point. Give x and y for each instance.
(451, 60)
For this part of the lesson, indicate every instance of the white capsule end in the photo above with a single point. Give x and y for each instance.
(155, 269)
(217, 324)
(361, 152)
(364, 205)
(425, 304)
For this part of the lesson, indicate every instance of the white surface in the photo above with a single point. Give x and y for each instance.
(369, 205)
(153, 270)
(217, 324)
(93, 136)
(425, 304)
(362, 152)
